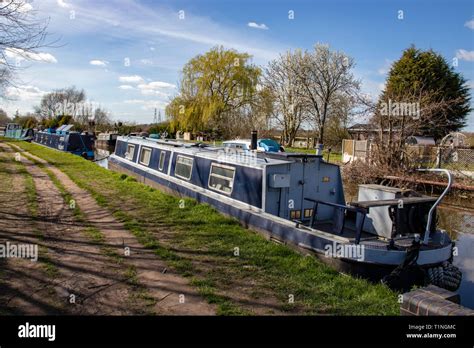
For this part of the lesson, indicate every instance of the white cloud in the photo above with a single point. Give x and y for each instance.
(125, 87)
(134, 101)
(20, 55)
(147, 104)
(131, 79)
(155, 88)
(470, 24)
(98, 62)
(154, 92)
(465, 55)
(140, 21)
(156, 85)
(24, 92)
(257, 26)
(63, 4)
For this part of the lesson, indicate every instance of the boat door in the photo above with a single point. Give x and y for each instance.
(303, 183)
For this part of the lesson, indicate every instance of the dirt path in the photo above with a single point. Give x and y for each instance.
(80, 279)
(168, 292)
(24, 286)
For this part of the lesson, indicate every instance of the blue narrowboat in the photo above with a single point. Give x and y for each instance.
(298, 199)
(15, 131)
(63, 139)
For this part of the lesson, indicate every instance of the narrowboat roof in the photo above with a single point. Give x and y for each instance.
(257, 159)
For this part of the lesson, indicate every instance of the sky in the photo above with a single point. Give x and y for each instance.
(127, 54)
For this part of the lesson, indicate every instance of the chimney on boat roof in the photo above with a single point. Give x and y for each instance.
(253, 142)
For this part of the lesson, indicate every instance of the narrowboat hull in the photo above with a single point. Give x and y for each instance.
(74, 143)
(377, 261)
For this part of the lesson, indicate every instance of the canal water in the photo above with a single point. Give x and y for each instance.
(101, 156)
(460, 226)
(459, 223)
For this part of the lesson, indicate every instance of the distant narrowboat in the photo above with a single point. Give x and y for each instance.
(63, 139)
(106, 140)
(299, 199)
(15, 131)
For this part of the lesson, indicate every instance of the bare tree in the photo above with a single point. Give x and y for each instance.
(62, 102)
(255, 116)
(4, 117)
(20, 33)
(324, 76)
(397, 116)
(281, 81)
(101, 116)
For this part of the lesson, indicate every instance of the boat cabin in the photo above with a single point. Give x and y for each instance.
(65, 140)
(276, 183)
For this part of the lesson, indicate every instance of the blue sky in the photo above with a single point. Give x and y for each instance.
(97, 38)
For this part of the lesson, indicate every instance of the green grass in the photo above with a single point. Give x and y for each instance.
(29, 190)
(199, 242)
(333, 156)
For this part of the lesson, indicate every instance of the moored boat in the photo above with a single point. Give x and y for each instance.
(106, 140)
(298, 199)
(63, 139)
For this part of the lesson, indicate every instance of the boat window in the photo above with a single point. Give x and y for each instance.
(130, 152)
(308, 213)
(221, 178)
(145, 155)
(184, 167)
(295, 214)
(161, 164)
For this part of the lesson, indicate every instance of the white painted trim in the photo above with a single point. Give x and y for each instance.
(170, 162)
(142, 147)
(214, 164)
(133, 154)
(192, 166)
(162, 153)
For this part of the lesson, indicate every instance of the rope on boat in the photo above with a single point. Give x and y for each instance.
(409, 273)
(100, 159)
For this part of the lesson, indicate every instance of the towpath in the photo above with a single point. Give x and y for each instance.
(95, 265)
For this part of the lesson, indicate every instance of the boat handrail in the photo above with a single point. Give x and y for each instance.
(357, 210)
(446, 190)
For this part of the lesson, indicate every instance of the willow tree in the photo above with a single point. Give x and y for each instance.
(214, 86)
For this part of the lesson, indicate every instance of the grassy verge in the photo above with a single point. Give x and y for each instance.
(201, 243)
(333, 156)
(94, 235)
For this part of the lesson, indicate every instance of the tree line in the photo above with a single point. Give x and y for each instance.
(64, 106)
(223, 93)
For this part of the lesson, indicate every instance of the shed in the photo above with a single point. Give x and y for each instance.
(420, 141)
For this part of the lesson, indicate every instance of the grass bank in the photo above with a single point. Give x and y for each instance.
(232, 267)
(334, 157)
